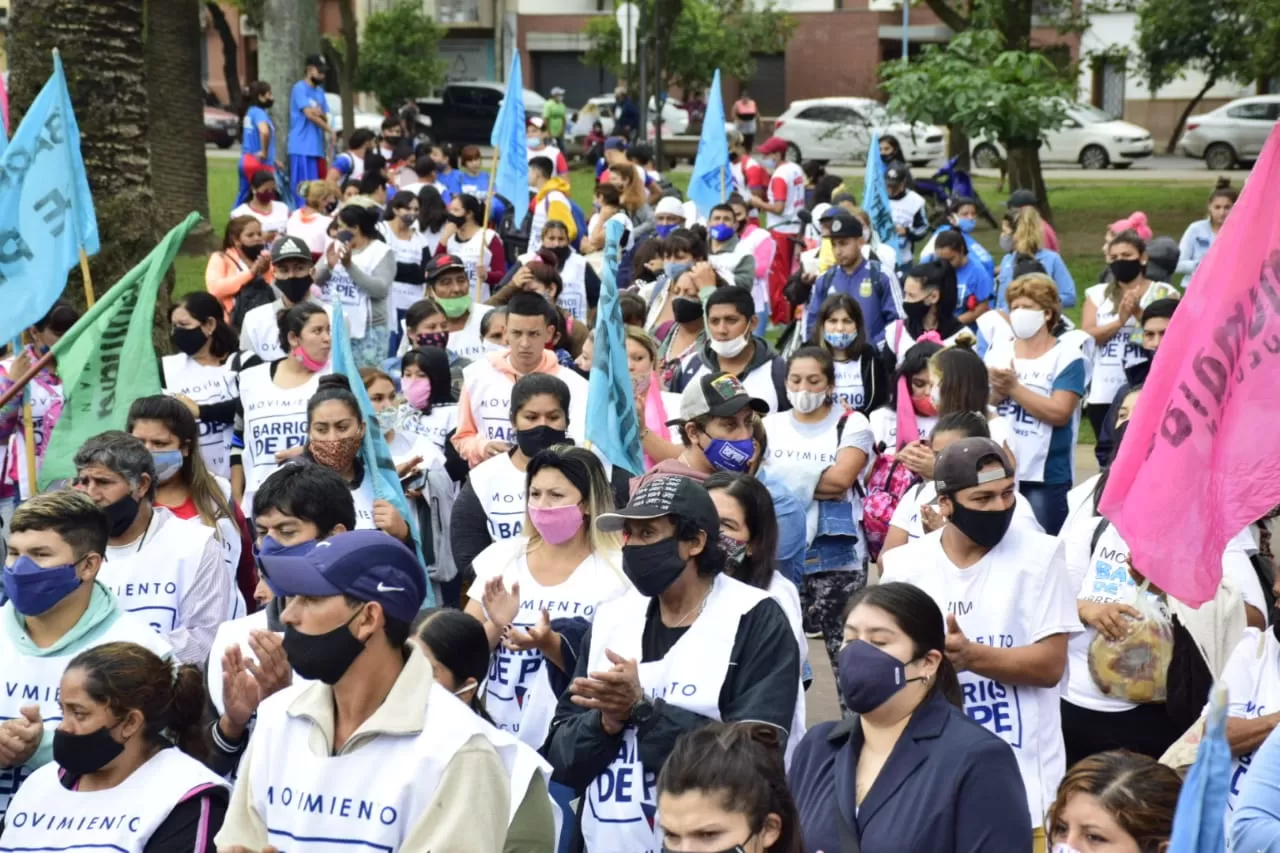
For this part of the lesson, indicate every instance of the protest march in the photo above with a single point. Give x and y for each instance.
(452, 516)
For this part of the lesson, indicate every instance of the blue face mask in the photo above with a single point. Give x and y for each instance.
(168, 464)
(720, 232)
(732, 456)
(664, 230)
(271, 548)
(35, 590)
(966, 225)
(674, 270)
(839, 340)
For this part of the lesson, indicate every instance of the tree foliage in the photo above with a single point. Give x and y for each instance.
(399, 56)
(705, 35)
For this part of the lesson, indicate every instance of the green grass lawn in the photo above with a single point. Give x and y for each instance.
(1082, 211)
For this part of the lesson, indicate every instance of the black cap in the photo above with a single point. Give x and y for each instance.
(289, 248)
(845, 224)
(958, 466)
(720, 396)
(666, 494)
(315, 60)
(441, 264)
(1163, 254)
(1021, 198)
(895, 174)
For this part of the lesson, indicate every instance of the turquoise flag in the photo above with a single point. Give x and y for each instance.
(875, 198)
(1202, 802)
(712, 179)
(512, 180)
(46, 211)
(612, 429)
(374, 452)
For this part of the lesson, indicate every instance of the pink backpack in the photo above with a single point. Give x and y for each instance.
(888, 482)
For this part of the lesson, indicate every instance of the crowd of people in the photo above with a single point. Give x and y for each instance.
(217, 635)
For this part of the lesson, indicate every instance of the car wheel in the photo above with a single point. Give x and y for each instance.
(919, 164)
(1219, 157)
(1094, 157)
(987, 156)
(1121, 165)
(224, 141)
(793, 153)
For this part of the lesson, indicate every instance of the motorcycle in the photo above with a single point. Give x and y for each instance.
(945, 184)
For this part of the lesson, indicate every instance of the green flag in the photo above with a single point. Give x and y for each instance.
(107, 359)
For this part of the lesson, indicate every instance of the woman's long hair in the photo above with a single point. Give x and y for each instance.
(582, 468)
(206, 494)
(632, 194)
(762, 523)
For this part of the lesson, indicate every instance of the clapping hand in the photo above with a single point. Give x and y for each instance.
(500, 604)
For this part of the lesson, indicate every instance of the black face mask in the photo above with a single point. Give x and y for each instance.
(916, 311)
(323, 657)
(252, 252)
(653, 568)
(88, 753)
(268, 103)
(686, 310)
(1136, 374)
(457, 219)
(189, 341)
(562, 254)
(536, 439)
(985, 527)
(1126, 271)
(294, 289)
(121, 514)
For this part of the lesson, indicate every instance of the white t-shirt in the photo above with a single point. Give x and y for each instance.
(1032, 436)
(435, 426)
(850, 393)
(274, 222)
(884, 426)
(1252, 678)
(1124, 348)
(312, 230)
(906, 516)
(1014, 596)
(787, 185)
(467, 342)
(403, 294)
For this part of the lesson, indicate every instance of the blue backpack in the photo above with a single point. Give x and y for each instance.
(580, 221)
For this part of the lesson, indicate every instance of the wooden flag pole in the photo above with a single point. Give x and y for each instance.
(16, 388)
(88, 283)
(484, 225)
(28, 427)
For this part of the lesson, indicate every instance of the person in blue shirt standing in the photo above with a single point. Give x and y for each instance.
(258, 138)
(865, 281)
(1022, 238)
(309, 130)
(962, 216)
(974, 285)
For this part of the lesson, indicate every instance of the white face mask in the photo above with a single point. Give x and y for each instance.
(935, 396)
(1026, 322)
(492, 346)
(806, 402)
(730, 348)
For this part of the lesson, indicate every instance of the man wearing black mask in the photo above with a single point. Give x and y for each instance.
(167, 571)
(260, 329)
(1009, 610)
(1155, 320)
(637, 687)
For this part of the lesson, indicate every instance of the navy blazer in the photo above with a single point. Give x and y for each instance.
(949, 786)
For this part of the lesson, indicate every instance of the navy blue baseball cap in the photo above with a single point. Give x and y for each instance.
(368, 565)
(615, 143)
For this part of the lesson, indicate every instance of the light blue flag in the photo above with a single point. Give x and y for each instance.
(612, 429)
(374, 452)
(712, 179)
(46, 211)
(1198, 823)
(512, 180)
(875, 198)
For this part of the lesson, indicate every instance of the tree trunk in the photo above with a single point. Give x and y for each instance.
(290, 32)
(103, 54)
(179, 172)
(958, 147)
(1186, 113)
(350, 62)
(230, 57)
(1023, 163)
(946, 13)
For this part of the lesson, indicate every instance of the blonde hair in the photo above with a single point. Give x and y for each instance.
(1028, 233)
(315, 192)
(644, 339)
(1041, 290)
(632, 193)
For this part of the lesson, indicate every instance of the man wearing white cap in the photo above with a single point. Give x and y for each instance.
(668, 216)
(536, 145)
(555, 116)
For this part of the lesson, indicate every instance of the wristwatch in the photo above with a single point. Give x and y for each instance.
(642, 712)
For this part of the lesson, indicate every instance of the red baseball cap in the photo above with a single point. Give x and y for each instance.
(773, 145)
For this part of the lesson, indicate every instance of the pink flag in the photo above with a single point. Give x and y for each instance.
(4, 104)
(1201, 457)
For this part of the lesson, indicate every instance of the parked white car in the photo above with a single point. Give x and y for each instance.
(1089, 137)
(840, 129)
(363, 118)
(675, 118)
(1231, 135)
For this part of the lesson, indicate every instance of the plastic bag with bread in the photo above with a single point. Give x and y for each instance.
(1135, 668)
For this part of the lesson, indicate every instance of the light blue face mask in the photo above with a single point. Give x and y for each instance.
(839, 340)
(966, 225)
(168, 464)
(674, 269)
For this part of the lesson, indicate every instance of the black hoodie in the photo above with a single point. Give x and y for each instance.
(762, 355)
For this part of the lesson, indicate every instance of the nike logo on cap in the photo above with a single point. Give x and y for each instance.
(384, 588)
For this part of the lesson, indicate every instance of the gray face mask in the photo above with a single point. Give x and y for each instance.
(1006, 242)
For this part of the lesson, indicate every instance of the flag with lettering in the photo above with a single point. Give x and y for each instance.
(374, 452)
(712, 178)
(46, 211)
(508, 136)
(875, 198)
(612, 429)
(107, 359)
(1200, 459)
(1202, 803)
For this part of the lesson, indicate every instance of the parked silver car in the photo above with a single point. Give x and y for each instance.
(1233, 134)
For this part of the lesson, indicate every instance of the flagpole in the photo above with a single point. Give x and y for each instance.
(16, 388)
(88, 283)
(484, 225)
(29, 437)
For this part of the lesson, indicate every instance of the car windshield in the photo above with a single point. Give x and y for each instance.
(1087, 114)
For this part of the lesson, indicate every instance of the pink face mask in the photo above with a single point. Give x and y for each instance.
(417, 390)
(307, 361)
(556, 524)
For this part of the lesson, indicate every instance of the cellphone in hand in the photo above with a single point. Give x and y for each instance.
(414, 481)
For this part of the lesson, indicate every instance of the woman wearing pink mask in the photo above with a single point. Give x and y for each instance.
(536, 592)
(430, 395)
